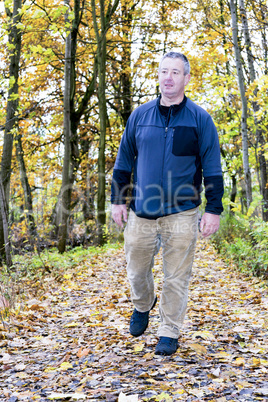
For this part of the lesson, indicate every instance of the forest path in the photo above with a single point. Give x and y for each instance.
(72, 342)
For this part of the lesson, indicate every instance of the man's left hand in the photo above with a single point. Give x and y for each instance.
(209, 224)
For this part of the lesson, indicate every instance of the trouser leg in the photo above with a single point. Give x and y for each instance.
(141, 245)
(178, 236)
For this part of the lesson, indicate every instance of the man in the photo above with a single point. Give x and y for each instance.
(168, 143)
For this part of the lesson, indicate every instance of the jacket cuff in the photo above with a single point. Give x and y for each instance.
(120, 186)
(214, 192)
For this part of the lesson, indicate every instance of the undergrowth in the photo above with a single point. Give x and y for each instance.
(244, 241)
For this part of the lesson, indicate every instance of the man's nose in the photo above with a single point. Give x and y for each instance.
(169, 74)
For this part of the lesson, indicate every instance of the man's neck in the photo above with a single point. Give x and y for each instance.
(164, 101)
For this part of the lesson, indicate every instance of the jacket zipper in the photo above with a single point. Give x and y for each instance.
(164, 151)
(162, 178)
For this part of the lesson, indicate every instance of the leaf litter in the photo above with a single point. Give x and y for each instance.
(71, 341)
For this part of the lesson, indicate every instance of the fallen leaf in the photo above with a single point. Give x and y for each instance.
(164, 397)
(6, 358)
(223, 356)
(139, 347)
(240, 361)
(256, 362)
(65, 366)
(50, 369)
(99, 346)
(243, 384)
(23, 395)
(48, 341)
(22, 375)
(20, 367)
(83, 352)
(128, 398)
(179, 391)
(72, 324)
(239, 328)
(36, 307)
(196, 392)
(148, 356)
(56, 395)
(204, 335)
(261, 391)
(200, 349)
(151, 380)
(216, 372)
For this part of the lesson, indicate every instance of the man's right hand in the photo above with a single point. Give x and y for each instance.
(117, 212)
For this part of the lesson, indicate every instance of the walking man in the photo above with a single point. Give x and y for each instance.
(169, 144)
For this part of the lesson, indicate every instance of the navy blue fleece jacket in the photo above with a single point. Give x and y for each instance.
(168, 150)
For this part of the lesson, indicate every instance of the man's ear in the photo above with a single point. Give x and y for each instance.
(187, 79)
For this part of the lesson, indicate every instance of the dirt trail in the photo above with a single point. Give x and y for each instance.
(73, 342)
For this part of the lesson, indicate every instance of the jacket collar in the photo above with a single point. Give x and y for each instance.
(164, 110)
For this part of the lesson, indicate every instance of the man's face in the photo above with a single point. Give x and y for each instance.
(172, 80)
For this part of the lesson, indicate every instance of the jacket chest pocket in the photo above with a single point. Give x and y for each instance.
(185, 141)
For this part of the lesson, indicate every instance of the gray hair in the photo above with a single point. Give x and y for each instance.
(177, 55)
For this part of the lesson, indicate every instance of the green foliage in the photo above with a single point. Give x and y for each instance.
(244, 241)
(51, 261)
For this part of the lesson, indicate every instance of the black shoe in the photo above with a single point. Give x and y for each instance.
(139, 321)
(166, 346)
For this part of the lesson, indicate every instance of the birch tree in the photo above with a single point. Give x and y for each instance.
(260, 140)
(244, 113)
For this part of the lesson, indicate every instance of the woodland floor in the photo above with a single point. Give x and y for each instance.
(71, 341)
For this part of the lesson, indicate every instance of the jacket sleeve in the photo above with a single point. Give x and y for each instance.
(211, 165)
(124, 164)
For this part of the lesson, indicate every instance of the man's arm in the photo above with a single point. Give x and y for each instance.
(122, 172)
(213, 178)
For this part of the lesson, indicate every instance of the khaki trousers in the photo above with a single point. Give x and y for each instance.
(177, 235)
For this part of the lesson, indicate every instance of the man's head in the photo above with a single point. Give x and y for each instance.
(177, 55)
(174, 75)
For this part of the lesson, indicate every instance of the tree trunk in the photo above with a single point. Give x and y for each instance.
(101, 63)
(260, 12)
(89, 190)
(233, 192)
(74, 121)
(259, 132)
(241, 83)
(66, 187)
(5, 225)
(101, 60)
(28, 202)
(11, 124)
(127, 17)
